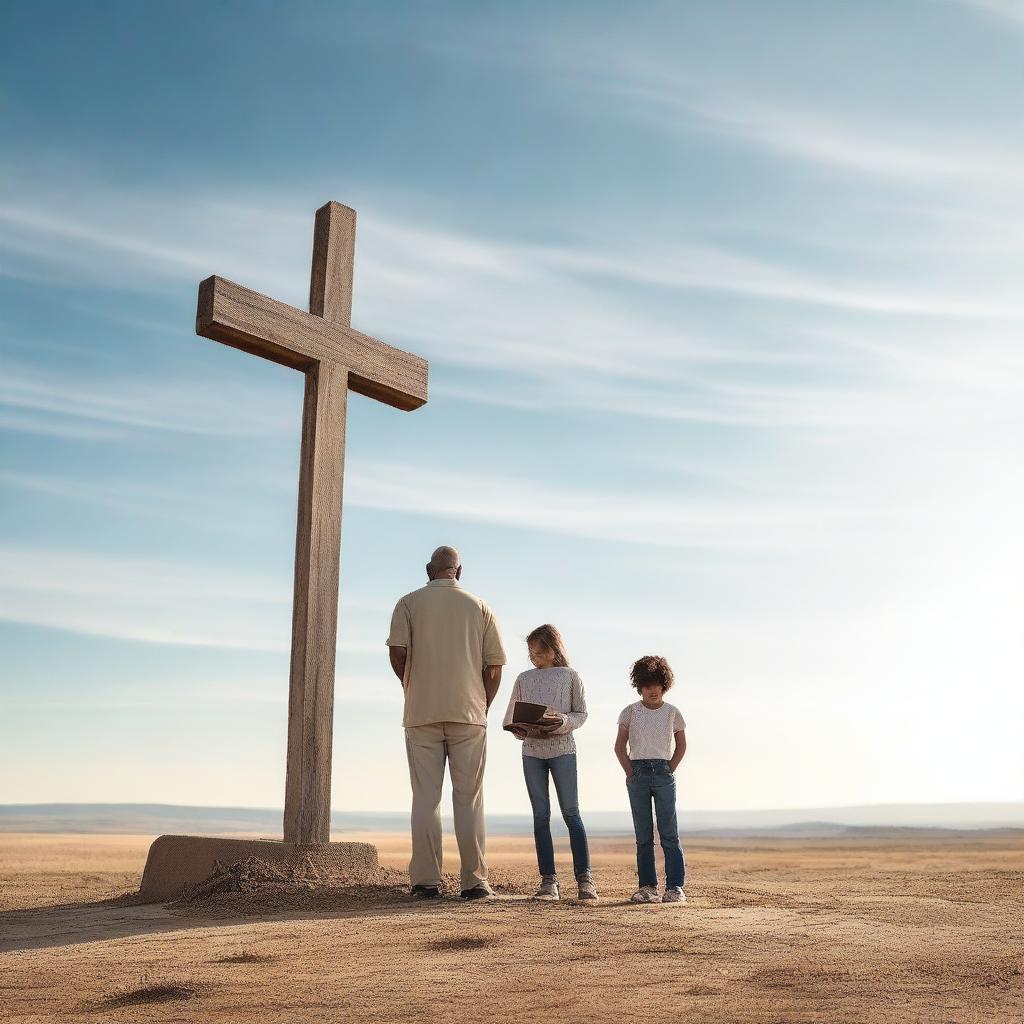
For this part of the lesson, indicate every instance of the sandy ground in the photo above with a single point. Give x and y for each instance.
(887, 929)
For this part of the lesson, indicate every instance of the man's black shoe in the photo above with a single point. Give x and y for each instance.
(478, 892)
(426, 892)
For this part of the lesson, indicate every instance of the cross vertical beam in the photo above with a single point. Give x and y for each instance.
(307, 799)
(334, 358)
(307, 795)
(334, 254)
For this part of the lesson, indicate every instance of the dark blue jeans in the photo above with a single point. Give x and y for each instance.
(652, 781)
(563, 770)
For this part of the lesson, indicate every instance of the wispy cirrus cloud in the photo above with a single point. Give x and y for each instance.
(153, 601)
(131, 240)
(123, 495)
(65, 402)
(816, 136)
(156, 601)
(670, 519)
(598, 327)
(1010, 10)
(670, 84)
(429, 265)
(141, 599)
(708, 268)
(175, 694)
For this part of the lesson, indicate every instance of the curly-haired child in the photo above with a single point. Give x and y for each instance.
(650, 744)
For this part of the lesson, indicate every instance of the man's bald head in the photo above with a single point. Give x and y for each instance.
(445, 564)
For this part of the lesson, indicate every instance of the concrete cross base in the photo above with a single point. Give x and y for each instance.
(177, 862)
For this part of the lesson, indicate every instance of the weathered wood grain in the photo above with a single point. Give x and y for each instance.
(307, 802)
(237, 316)
(334, 253)
(335, 359)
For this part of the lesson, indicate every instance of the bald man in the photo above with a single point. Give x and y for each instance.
(446, 649)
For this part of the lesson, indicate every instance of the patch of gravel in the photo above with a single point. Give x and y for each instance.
(255, 875)
(245, 957)
(147, 994)
(255, 887)
(462, 943)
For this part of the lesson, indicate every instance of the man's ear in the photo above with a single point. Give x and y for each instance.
(427, 567)
(458, 573)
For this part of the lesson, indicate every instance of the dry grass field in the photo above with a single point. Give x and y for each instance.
(891, 928)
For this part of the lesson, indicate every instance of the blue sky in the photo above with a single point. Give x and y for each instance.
(722, 305)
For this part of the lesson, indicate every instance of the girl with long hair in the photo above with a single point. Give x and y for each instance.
(549, 750)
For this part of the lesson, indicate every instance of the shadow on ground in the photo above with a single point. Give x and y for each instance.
(70, 924)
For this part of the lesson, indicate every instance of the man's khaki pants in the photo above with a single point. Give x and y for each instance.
(465, 747)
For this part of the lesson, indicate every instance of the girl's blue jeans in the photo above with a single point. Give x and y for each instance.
(653, 782)
(562, 770)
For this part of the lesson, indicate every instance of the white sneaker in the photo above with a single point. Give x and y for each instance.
(674, 895)
(548, 889)
(645, 894)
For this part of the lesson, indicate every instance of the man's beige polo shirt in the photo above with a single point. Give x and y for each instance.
(449, 635)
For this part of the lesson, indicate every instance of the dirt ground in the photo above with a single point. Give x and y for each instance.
(889, 928)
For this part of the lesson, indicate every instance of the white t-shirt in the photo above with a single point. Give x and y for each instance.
(651, 730)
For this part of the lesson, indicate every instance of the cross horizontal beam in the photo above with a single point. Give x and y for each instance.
(244, 319)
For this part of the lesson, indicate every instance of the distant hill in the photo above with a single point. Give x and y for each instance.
(152, 819)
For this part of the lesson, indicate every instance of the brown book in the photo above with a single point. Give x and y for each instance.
(526, 713)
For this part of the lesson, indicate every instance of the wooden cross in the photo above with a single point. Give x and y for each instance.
(335, 359)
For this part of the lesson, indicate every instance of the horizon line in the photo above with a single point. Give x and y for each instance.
(1018, 802)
